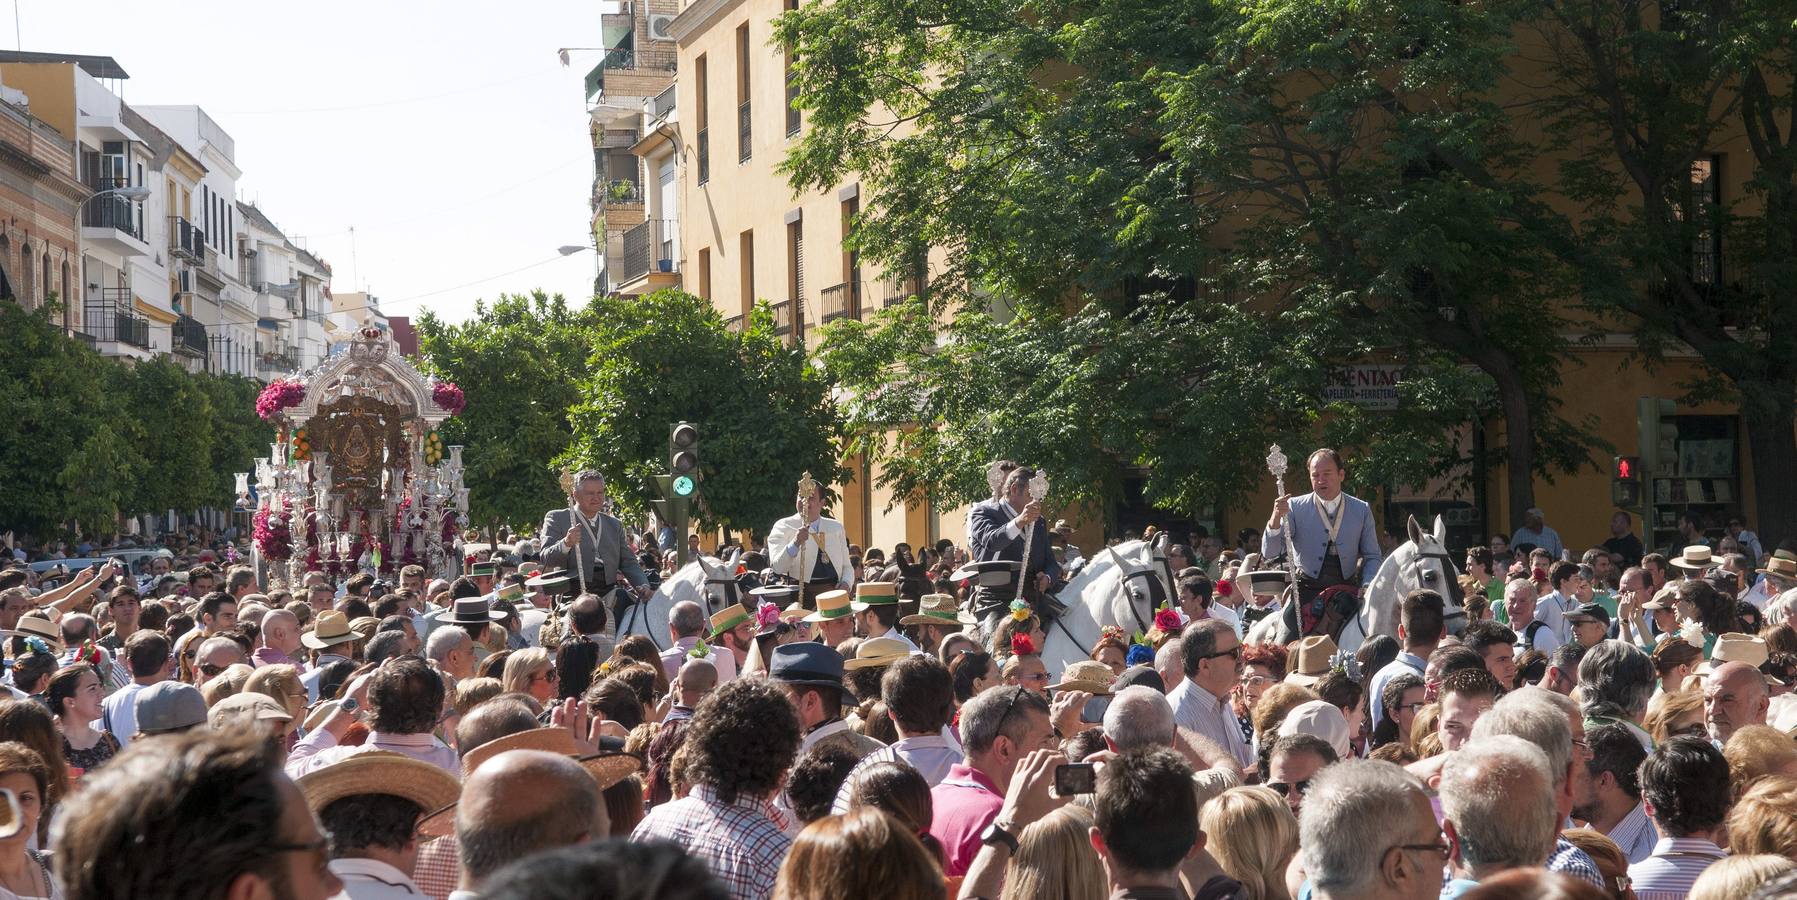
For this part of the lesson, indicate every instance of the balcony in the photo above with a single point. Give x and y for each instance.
(109, 320)
(185, 241)
(793, 119)
(840, 301)
(189, 337)
(704, 155)
(278, 361)
(743, 132)
(662, 106)
(789, 320)
(622, 190)
(734, 323)
(110, 222)
(896, 289)
(631, 64)
(648, 249)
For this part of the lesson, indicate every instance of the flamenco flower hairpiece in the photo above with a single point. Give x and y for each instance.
(1139, 655)
(766, 615)
(1167, 620)
(1225, 588)
(1113, 631)
(1020, 611)
(1021, 645)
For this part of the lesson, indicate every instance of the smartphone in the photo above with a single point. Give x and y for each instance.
(1075, 778)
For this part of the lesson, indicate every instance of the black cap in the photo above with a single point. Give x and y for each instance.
(807, 663)
(1590, 611)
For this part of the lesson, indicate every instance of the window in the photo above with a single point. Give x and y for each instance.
(1706, 241)
(746, 260)
(703, 109)
(744, 135)
(705, 274)
(793, 120)
(795, 261)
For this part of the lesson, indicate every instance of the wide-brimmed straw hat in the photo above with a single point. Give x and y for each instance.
(380, 772)
(1782, 564)
(1087, 675)
(939, 609)
(831, 605)
(39, 627)
(875, 593)
(328, 630)
(1696, 558)
(471, 611)
(607, 768)
(1734, 646)
(880, 651)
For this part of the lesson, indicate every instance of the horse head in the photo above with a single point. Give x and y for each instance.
(913, 578)
(1143, 586)
(1168, 577)
(1422, 563)
(718, 587)
(1117, 586)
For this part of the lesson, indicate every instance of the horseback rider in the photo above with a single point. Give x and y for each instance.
(583, 539)
(1334, 542)
(996, 533)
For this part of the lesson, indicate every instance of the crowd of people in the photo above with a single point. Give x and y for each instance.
(1598, 728)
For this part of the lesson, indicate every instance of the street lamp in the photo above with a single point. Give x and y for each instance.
(570, 249)
(134, 194)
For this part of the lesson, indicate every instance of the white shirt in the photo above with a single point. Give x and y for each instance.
(371, 879)
(932, 755)
(1196, 709)
(898, 635)
(120, 708)
(1635, 834)
(720, 657)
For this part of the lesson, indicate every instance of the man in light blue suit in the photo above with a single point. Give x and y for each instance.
(1330, 533)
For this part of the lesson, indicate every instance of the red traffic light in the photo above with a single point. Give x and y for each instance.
(1626, 468)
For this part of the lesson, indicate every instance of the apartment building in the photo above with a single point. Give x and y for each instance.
(39, 198)
(287, 283)
(629, 101)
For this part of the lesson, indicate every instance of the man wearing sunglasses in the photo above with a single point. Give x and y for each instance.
(1212, 658)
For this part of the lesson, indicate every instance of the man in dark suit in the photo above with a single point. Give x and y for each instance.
(996, 531)
(589, 543)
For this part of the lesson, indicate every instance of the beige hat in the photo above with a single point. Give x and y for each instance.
(328, 630)
(1737, 647)
(1782, 564)
(246, 708)
(880, 651)
(1087, 675)
(939, 609)
(380, 772)
(1312, 660)
(831, 605)
(1696, 557)
(35, 625)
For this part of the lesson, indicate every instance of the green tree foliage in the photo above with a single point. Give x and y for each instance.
(520, 363)
(91, 439)
(1238, 198)
(1638, 94)
(764, 414)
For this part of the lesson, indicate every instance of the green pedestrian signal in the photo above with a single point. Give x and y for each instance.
(683, 486)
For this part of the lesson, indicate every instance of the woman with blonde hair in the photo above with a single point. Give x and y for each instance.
(1253, 836)
(1756, 751)
(861, 853)
(228, 683)
(1733, 877)
(1764, 820)
(1055, 860)
(1671, 715)
(1272, 708)
(282, 682)
(531, 671)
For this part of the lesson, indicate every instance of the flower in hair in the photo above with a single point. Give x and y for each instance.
(767, 615)
(1021, 645)
(1020, 611)
(1167, 620)
(1224, 587)
(1112, 631)
(1139, 655)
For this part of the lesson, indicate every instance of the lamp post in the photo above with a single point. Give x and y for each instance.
(135, 194)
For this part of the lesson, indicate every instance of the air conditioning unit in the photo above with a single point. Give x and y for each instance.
(661, 28)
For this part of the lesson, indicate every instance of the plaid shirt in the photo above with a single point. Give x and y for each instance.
(439, 866)
(743, 843)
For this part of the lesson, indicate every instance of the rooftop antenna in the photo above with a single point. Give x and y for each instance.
(355, 270)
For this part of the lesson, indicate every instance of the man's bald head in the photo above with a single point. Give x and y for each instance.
(696, 679)
(280, 631)
(523, 802)
(1734, 696)
(1138, 718)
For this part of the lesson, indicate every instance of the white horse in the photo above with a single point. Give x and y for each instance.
(706, 580)
(1422, 562)
(1120, 586)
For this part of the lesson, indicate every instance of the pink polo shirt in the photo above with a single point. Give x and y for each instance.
(964, 804)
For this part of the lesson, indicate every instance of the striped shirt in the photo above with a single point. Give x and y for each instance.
(932, 755)
(1198, 710)
(1635, 834)
(1674, 866)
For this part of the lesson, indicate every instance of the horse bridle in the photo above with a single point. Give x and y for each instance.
(1454, 591)
(1129, 596)
(637, 608)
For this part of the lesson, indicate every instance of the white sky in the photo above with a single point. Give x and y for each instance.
(446, 132)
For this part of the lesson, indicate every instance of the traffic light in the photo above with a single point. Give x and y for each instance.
(1625, 481)
(683, 458)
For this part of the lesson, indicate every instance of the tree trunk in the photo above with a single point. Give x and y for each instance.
(1768, 417)
(1519, 440)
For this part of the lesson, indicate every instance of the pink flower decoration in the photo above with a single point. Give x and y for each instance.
(277, 396)
(271, 535)
(767, 615)
(448, 396)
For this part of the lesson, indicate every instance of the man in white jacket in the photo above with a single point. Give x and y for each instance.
(809, 548)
